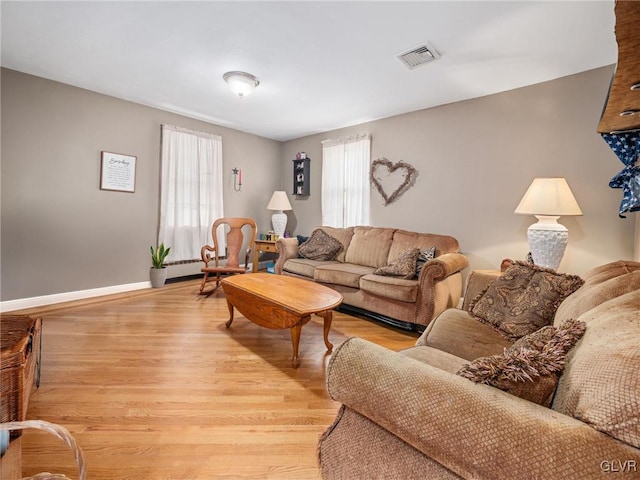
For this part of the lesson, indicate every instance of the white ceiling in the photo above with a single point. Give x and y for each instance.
(321, 65)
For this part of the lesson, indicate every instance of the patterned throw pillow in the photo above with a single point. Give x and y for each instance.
(531, 367)
(320, 246)
(424, 257)
(404, 266)
(523, 299)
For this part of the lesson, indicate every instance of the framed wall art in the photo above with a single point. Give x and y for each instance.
(118, 172)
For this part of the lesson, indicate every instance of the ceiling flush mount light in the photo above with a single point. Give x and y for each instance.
(241, 83)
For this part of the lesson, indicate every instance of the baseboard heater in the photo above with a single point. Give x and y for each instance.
(410, 327)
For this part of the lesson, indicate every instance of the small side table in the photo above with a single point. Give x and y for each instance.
(262, 246)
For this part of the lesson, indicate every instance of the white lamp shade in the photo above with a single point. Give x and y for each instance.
(548, 196)
(279, 201)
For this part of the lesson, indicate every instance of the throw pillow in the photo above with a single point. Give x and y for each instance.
(404, 266)
(424, 257)
(531, 367)
(301, 240)
(523, 299)
(320, 246)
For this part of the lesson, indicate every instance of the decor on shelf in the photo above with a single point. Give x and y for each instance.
(158, 272)
(547, 199)
(302, 175)
(279, 202)
(408, 172)
(241, 83)
(237, 179)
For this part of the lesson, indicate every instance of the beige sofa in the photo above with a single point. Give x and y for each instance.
(408, 415)
(407, 303)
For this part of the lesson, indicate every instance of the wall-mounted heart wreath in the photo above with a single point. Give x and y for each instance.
(393, 171)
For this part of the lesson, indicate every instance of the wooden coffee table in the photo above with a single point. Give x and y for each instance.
(280, 301)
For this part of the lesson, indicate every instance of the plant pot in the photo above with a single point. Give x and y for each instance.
(158, 276)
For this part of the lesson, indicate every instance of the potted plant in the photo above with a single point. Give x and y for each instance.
(158, 272)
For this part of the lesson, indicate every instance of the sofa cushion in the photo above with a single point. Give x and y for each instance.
(434, 357)
(403, 239)
(529, 368)
(343, 235)
(320, 246)
(304, 266)
(337, 273)
(600, 384)
(404, 266)
(458, 333)
(394, 288)
(600, 288)
(369, 246)
(523, 299)
(610, 270)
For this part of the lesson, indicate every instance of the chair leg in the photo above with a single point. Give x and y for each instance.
(204, 281)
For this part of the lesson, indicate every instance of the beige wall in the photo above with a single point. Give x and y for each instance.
(60, 232)
(476, 159)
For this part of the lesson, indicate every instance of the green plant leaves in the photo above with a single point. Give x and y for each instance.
(158, 256)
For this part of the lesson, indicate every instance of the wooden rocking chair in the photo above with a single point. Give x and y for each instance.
(236, 238)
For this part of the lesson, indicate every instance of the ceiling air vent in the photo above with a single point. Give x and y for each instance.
(418, 56)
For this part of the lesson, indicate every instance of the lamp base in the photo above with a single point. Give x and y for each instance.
(547, 241)
(279, 221)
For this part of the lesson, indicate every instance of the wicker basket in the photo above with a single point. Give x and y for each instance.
(60, 432)
(20, 345)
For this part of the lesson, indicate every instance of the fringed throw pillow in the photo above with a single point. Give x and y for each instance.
(523, 299)
(320, 246)
(531, 367)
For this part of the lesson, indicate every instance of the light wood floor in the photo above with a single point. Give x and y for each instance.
(153, 386)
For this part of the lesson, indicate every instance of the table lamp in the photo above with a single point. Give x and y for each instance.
(279, 202)
(548, 199)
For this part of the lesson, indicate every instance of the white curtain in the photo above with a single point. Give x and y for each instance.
(345, 181)
(190, 192)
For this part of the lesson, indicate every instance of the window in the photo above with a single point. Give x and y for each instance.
(190, 192)
(345, 181)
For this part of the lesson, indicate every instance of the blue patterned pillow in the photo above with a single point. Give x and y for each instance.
(425, 255)
(301, 240)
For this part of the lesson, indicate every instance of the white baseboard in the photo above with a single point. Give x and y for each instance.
(22, 303)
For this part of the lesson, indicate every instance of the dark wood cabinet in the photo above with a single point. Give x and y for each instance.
(302, 176)
(622, 111)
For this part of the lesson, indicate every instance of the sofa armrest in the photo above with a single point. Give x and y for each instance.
(477, 282)
(286, 248)
(440, 286)
(475, 430)
(445, 265)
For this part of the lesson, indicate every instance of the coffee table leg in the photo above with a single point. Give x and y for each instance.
(296, 330)
(230, 307)
(328, 318)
